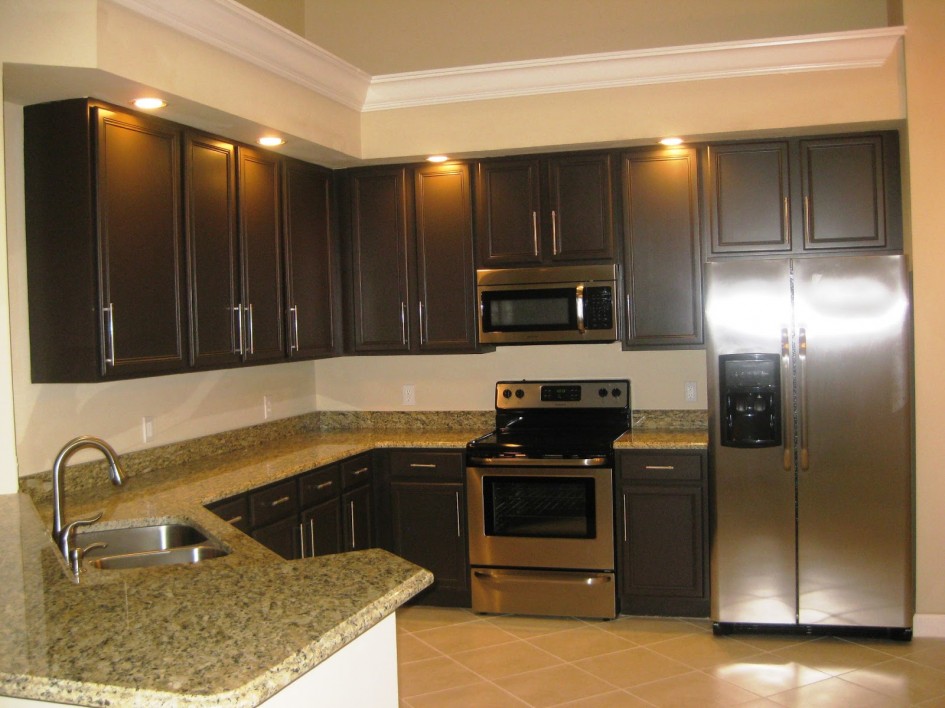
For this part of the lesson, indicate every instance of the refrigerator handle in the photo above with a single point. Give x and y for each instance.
(787, 416)
(802, 396)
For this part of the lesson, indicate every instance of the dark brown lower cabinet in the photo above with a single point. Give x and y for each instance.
(357, 519)
(321, 529)
(281, 537)
(428, 512)
(662, 544)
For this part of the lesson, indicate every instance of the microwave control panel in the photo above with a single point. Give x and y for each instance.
(599, 307)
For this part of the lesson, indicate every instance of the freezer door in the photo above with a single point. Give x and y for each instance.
(855, 546)
(748, 310)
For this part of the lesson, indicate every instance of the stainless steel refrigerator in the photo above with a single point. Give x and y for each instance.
(810, 409)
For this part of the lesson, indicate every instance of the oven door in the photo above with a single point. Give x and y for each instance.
(541, 517)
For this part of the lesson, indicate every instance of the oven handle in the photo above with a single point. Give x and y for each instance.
(537, 462)
(528, 576)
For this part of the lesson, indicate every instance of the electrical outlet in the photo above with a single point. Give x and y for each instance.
(691, 391)
(409, 395)
(147, 428)
(267, 407)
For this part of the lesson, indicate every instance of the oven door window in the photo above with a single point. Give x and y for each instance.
(541, 309)
(539, 507)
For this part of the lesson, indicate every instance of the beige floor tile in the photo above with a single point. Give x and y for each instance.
(772, 642)
(693, 689)
(648, 630)
(701, 651)
(930, 654)
(524, 626)
(415, 617)
(506, 659)
(767, 674)
(632, 667)
(835, 692)
(615, 699)
(550, 687)
(901, 678)
(464, 637)
(832, 655)
(480, 695)
(581, 643)
(439, 674)
(409, 648)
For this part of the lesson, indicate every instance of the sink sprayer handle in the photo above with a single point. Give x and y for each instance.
(78, 553)
(67, 537)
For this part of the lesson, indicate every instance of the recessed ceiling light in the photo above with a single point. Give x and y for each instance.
(438, 158)
(149, 103)
(671, 141)
(271, 141)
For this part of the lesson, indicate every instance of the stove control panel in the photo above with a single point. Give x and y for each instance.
(600, 393)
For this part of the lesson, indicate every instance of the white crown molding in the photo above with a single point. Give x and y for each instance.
(816, 52)
(239, 31)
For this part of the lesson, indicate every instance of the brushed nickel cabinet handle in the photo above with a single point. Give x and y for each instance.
(403, 323)
(351, 514)
(425, 465)
(294, 343)
(459, 531)
(555, 248)
(281, 500)
(249, 328)
(311, 535)
(324, 485)
(234, 520)
(240, 348)
(659, 467)
(301, 540)
(110, 329)
(535, 230)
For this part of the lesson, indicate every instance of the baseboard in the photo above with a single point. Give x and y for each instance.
(928, 626)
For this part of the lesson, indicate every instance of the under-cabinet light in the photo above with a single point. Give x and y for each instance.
(438, 158)
(671, 142)
(149, 103)
(271, 141)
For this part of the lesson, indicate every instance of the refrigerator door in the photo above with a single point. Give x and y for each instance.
(748, 310)
(853, 334)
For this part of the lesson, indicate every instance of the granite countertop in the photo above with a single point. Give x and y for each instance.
(231, 630)
(663, 439)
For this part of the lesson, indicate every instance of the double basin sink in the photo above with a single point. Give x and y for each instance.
(147, 546)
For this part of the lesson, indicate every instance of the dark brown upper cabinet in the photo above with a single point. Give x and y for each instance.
(804, 195)
(545, 210)
(104, 243)
(259, 206)
(411, 285)
(311, 262)
(662, 248)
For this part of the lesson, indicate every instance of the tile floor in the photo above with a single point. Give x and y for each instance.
(452, 657)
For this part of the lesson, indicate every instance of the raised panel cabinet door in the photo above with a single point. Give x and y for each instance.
(662, 248)
(140, 244)
(213, 274)
(358, 518)
(321, 529)
(446, 288)
(429, 530)
(748, 195)
(309, 261)
(844, 193)
(508, 212)
(282, 537)
(378, 242)
(581, 215)
(260, 209)
(662, 544)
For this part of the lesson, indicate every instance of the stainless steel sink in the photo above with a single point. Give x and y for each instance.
(145, 546)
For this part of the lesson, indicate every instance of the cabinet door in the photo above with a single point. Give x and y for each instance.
(358, 521)
(212, 253)
(446, 288)
(747, 188)
(663, 258)
(581, 217)
(310, 261)
(844, 194)
(429, 530)
(378, 242)
(282, 537)
(234, 511)
(261, 243)
(140, 244)
(321, 529)
(508, 218)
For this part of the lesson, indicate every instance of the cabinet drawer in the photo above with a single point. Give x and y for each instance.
(233, 511)
(356, 471)
(273, 503)
(661, 466)
(438, 466)
(319, 485)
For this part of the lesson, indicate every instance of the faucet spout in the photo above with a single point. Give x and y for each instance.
(115, 471)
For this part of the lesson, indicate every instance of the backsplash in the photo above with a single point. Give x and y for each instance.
(89, 475)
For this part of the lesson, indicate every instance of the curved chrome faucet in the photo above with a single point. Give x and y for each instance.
(62, 535)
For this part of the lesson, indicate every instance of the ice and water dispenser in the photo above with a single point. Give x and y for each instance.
(750, 396)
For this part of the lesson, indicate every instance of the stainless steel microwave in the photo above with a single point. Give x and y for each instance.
(547, 305)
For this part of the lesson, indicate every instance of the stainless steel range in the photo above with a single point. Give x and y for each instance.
(540, 496)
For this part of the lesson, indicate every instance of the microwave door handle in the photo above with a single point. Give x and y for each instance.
(579, 306)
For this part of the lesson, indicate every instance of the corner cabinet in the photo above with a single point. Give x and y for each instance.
(663, 532)
(105, 243)
(662, 248)
(545, 210)
(828, 194)
(410, 254)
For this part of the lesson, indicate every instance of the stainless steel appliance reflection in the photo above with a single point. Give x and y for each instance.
(540, 497)
(811, 438)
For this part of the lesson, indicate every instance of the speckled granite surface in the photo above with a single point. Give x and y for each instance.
(668, 439)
